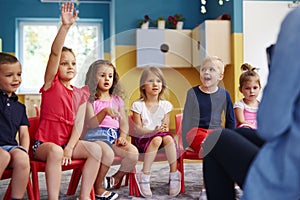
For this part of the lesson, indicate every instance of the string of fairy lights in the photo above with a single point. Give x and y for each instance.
(203, 4)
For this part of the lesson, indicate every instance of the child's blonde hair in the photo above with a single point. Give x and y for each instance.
(145, 73)
(248, 74)
(92, 83)
(218, 62)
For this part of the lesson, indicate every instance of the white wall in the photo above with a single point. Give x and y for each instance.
(261, 20)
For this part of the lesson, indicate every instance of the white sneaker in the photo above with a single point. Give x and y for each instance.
(143, 182)
(203, 195)
(175, 183)
(238, 192)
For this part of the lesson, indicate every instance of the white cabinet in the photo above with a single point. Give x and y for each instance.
(164, 48)
(211, 38)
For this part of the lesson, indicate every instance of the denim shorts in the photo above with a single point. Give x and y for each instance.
(107, 135)
(9, 148)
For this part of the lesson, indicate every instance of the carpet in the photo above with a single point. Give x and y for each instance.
(159, 183)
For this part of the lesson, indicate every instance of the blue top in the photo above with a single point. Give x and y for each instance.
(12, 116)
(275, 172)
(205, 110)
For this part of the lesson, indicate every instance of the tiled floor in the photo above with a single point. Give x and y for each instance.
(159, 179)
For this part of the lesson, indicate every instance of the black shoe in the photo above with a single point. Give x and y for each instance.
(109, 196)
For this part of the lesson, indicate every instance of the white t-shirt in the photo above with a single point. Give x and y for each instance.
(151, 119)
(241, 104)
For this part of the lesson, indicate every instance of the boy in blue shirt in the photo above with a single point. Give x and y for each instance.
(13, 120)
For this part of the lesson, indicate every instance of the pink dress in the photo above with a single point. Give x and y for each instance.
(249, 114)
(58, 111)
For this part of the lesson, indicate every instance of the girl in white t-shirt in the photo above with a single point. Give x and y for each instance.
(151, 119)
(245, 109)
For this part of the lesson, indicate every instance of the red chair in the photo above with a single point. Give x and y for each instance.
(185, 154)
(160, 156)
(39, 166)
(76, 175)
(8, 174)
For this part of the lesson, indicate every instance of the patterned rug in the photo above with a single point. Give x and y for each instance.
(159, 183)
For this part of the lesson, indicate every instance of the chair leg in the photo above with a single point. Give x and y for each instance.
(8, 192)
(92, 195)
(30, 193)
(74, 181)
(127, 179)
(133, 187)
(35, 183)
(181, 169)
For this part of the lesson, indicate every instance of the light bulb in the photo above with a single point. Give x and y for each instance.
(220, 2)
(203, 10)
(203, 2)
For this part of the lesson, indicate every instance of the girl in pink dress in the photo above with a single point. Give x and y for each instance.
(107, 125)
(245, 109)
(61, 121)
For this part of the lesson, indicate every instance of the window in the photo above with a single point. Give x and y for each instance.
(35, 40)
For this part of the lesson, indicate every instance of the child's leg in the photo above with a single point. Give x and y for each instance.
(92, 153)
(175, 175)
(5, 159)
(53, 155)
(130, 156)
(150, 154)
(171, 153)
(107, 160)
(143, 178)
(20, 175)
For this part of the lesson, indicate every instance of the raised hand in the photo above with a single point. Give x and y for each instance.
(68, 14)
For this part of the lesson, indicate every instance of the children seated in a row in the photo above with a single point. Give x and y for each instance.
(13, 120)
(108, 125)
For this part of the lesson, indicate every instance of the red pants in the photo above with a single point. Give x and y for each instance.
(195, 137)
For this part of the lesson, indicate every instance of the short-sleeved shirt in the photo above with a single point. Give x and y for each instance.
(249, 112)
(151, 119)
(12, 116)
(58, 111)
(116, 103)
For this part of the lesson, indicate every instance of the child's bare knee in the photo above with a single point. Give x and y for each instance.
(156, 141)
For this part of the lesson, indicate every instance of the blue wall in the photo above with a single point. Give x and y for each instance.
(125, 13)
(129, 12)
(12, 9)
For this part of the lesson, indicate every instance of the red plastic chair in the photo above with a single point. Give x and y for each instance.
(160, 156)
(185, 154)
(8, 174)
(39, 166)
(76, 175)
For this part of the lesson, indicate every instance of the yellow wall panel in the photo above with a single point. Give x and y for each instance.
(179, 80)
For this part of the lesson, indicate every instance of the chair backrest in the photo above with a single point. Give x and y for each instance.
(178, 122)
(34, 124)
